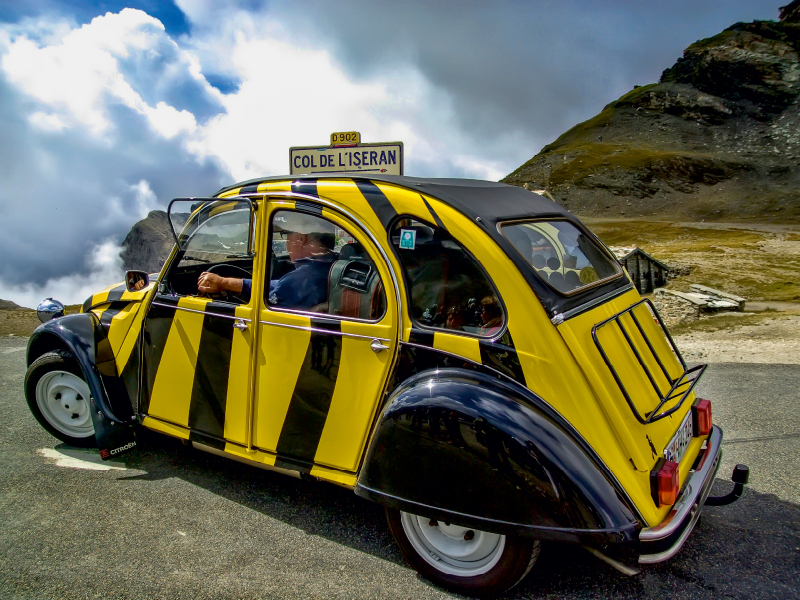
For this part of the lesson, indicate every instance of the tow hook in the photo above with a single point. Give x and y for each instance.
(741, 475)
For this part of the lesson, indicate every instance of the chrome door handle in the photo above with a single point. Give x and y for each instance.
(377, 346)
(240, 324)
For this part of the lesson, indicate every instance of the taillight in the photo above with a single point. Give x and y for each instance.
(701, 417)
(664, 482)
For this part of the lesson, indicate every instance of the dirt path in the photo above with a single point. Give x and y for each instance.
(774, 341)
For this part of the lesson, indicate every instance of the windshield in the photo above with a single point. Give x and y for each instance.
(214, 229)
(561, 254)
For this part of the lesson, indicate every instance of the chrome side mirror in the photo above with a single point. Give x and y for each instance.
(49, 309)
(136, 280)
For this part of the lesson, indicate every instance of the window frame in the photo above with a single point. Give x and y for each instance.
(600, 245)
(496, 336)
(302, 205)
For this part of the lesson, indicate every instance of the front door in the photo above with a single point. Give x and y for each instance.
(197, 350)
(328, 337)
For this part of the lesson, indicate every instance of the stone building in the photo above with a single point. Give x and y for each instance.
(646, 272)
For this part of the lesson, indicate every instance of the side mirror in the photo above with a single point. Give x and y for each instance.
(136, 280)
(49, 309)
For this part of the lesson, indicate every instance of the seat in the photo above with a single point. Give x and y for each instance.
(354, 286)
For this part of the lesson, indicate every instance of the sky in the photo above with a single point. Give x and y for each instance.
(110, 109)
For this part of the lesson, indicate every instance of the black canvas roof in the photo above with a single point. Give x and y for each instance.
(489, 200)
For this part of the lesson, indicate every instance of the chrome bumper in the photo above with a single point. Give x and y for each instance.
(663, 541)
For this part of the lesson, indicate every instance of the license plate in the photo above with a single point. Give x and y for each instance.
(680, 441)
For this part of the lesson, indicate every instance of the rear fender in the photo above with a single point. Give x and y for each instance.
(468, 448)
(83, 336)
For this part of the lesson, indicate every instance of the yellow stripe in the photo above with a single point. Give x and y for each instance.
(221, 208)
(345, 479)
(171, 394)
(236, 404)
(276, 384)
(167, 428)
(229, 193)
(254, 455)
(458, 344)
(274, 186)
(120, 324)
(405, 201)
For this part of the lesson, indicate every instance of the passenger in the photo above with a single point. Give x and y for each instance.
(455, 318)
(491, 315)
(303, 288)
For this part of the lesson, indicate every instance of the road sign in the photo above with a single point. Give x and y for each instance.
(347, 157)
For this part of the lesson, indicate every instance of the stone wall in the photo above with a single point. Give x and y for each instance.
(674, 309)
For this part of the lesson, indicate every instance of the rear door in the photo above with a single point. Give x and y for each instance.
(328, 338)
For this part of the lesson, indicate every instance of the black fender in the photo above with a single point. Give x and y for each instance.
(465, 447)
(85, 338)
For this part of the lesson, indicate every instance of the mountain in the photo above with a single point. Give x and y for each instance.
(148, 243)
(9, 305)
(718, 138)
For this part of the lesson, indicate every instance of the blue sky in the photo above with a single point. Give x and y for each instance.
(110, 109)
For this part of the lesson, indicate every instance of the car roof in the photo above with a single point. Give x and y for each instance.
(489, 200)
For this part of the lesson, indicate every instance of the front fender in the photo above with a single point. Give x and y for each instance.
(465, 447)
(84, 337)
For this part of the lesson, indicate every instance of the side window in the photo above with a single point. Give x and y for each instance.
(449, 290)
(317, 266)
(215, 237)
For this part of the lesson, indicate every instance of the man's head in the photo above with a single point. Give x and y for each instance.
(306, 235)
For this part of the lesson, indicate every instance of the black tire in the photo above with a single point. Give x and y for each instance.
(52, 367)
(515, 562)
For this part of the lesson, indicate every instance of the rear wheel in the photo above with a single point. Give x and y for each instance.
(462, 559)
(58, 397)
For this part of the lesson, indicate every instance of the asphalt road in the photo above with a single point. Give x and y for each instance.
(171, 522)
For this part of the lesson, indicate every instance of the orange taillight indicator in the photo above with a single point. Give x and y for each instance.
(665, 482)
(701, 417)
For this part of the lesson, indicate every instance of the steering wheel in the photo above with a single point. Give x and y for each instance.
(226, 270)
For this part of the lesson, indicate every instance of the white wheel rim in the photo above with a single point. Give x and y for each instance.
(453, 549)
(63, 399)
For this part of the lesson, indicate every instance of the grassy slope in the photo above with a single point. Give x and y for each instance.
(758, 265)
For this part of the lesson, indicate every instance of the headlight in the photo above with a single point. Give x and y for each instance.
(49, 309)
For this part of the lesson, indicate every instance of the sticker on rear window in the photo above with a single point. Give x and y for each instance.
(408, 239)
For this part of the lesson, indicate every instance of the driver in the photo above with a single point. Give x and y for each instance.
(310, 248)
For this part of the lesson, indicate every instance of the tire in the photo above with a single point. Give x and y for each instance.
(461, 559)
(58, 397)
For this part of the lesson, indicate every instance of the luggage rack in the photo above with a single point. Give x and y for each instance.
(689, 377)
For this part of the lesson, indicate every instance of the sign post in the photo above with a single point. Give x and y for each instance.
(346, 154)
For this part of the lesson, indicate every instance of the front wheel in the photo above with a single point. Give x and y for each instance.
(462, 559)
(58, 397)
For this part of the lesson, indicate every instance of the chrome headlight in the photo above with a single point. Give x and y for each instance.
(49, 309)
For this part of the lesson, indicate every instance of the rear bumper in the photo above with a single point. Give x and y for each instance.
(663, 541)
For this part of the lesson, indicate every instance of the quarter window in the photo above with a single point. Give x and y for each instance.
(318, 266)
(448, 288)
(561, 254)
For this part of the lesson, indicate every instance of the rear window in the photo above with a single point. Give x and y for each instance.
(561, 254)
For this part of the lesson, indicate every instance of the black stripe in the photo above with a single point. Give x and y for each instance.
(313, 392)
(421, 337)
(305, 186)
(502, 355)
(172, 300)
(210, 386)
(308, 207)
(222, 308)
(130, 373)
(116, 293)
(377, 201)
(201, 438)
(289, 464)
(249, 189)
(87, 304)
(156, 329)
(111, 312)
(433, 213)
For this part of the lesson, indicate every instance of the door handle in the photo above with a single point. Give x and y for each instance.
(377, 346)
(240, 324)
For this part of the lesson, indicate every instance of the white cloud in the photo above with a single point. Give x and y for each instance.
(145, 198)
(105, 268)
(79, 76)
(47, 122)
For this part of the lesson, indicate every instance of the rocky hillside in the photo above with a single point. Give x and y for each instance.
(718, 138)
(148, 243)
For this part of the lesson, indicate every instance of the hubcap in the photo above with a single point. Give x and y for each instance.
(63, 399)
(453, 549)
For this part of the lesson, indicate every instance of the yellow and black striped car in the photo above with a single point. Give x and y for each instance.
(466, 353)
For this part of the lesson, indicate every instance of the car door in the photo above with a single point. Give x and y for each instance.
(197, 350)
(322, 358)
